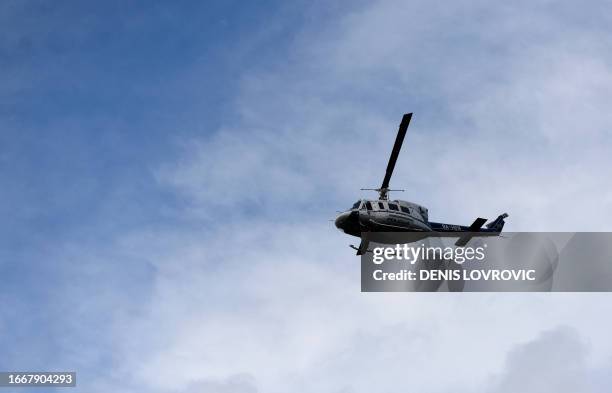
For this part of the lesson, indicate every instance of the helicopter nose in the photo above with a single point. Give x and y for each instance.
(341, 220)
(348, 222)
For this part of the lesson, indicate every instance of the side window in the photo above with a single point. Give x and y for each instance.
(393, 206)
(381, 206)
(405, 209)
(368, 206)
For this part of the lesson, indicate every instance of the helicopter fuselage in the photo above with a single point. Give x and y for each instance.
(383, 216)
(399, 221)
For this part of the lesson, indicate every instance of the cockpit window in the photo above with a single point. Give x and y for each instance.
(368, 206)
(393, 206)
(405, 209)
(356, 205)
(381, 206)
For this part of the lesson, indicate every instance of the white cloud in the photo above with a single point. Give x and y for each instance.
(555, 361)
(509, 116)
(282, 305)
(233, 384)
(508, 103)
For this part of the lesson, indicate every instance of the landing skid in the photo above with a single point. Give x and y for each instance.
(363, 246)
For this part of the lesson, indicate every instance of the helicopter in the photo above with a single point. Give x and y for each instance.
(375, 220)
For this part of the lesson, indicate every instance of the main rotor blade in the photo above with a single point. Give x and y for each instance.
(401, 133)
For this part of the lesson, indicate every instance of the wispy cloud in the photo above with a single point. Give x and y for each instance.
(252, 289)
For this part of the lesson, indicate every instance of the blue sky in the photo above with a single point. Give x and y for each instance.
(94, 97)
(168, 173)
(96, 94)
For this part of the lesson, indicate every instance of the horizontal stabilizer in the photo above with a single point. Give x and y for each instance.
(477, 224)
(475, 227)
(463, 240)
